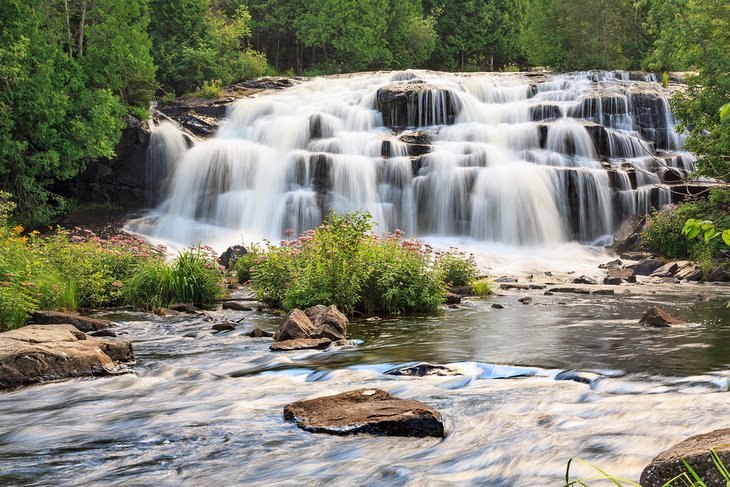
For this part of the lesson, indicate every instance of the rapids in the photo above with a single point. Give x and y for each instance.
(508, 158)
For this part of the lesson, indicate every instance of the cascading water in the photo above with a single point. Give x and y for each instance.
(521, 159)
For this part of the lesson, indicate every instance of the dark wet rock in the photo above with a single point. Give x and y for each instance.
(452, 298)
(266, 83)
(667, 270)
(421, 137)
(183, 307)
(497, 306)
(537, 286)
(106, 333)
(413, 104)
(614, 264)
(578, 376)
(509, 287)
(194, 334)
(604, 292)
(236, 306)
(696, 452)
(366, 411)
(574, 290)
(300, 344)
(226, 326)
(462, 290)
(718, 274)
(423, 369)
(83, 323)
(228, 258)
(42, 353)
(328, 322)
(506, 279)
(584, 280)
(617, 276)
(659, 318)
(629, 234)
(690, 272)
(646, 266)
(525, 300)
(259, 333)
(295, 325)
(636, 255)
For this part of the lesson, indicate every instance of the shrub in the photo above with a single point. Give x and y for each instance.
(245, 262)
(482, 287)
(343, 263)
(458, 268)
(210, 89)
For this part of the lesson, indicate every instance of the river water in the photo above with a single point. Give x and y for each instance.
(208, 410)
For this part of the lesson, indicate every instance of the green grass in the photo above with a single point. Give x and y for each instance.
(482, 287)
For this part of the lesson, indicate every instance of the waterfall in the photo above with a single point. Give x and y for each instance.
(167, 145)
(521, 159)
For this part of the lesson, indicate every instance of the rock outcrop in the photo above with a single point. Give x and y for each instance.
(42, 353)
(696, 452)
(415, 104)
(366, 411)
(82, 323)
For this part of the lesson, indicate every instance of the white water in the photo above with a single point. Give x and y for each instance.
(284, 159)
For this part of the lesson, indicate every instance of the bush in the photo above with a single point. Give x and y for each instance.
(210, 89)
(458, 268)
(343, 263)
(245, 262)
(482, 287)
(663, 233)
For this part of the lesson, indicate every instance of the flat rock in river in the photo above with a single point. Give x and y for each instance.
(40, 353)
(423, 369)
(300, 344)
(659, 318)
(366, 411)
(696, 452)
(83, 323)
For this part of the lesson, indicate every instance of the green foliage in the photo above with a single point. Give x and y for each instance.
(482, 287)
(593, 34)
(665, 229)
(458, 268)
(245, 262)
(209, 90)
(194, 277)
(342, 263)
(693, 228)
(195, 40)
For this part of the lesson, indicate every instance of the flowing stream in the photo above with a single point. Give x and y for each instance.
(208, 410)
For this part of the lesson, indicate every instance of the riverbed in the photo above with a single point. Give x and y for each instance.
(208, 410)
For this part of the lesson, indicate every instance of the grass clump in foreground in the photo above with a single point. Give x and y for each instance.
(343, 263)
(68, 270)
(688, 478)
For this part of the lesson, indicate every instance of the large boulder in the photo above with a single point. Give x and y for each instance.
(231, 255)
(646, 266)
(696, 452)
(667, 270)
(41, 353)
(328, 322)
(718, 274)
(659, 318)
(83, 323)
(365, 411)
(295, 325)
(628, 234)
(617, 276)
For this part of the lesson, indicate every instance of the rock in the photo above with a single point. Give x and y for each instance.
(537, 286)
(696, 452)
(659, 318)
(236, 306)
(646, 266)
(604, 292)
(628, 234)
(300, 344)
(667, 270)
(506, 279)
(612, 265)
(366, 411)
(183, 307)
(259, 333)
(166, 312)
(462, 290)
(690, 272)
(105, 333)
(83, 323)
(328, 322)
(413, 104)
(226, 326)
(508, 287)
(295, 325)
(577, 376)
(41, 353)
(718, 274)
(497, 306)
(423, 369)
(452, 298)
(617, 276)
(228, 258)
(194, 334)
(635, 255)
(525, 300)
(584, 280)
(574, 290)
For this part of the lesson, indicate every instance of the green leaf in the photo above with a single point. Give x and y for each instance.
(724, 111)
(726, 237)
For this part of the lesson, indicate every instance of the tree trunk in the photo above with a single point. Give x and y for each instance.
(82, 23)
(68, 30)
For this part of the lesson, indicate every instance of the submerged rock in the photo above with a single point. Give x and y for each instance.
(659, 318)
(226, 326)
(497, 306)
(452, 298)
(366, 411)
(42, 353)
(300, 344)
(82, 323)
(696, 452)
(525, 300)
(578, 376)
(236, 306)
(423, 369)
(259, 333)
